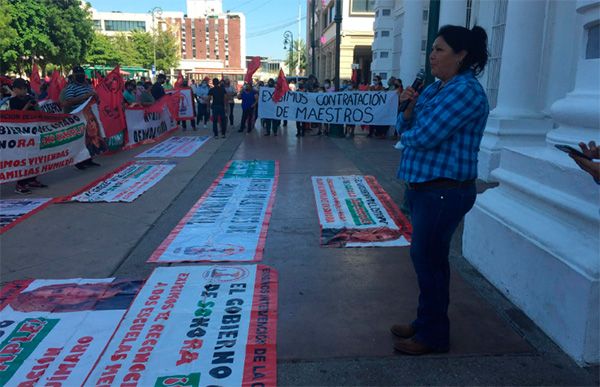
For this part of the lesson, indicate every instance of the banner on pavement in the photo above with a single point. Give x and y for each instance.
(34, 142)
(345, 107)
(53, 331)
(229, 222)
(355, 211)
(176, 147)
(14, 211)
(125, 184)
(196, 326)
(149, 124)
(183, 103)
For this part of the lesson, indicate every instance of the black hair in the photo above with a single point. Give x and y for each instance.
(161, 76)
(473, 41)
(19, 83)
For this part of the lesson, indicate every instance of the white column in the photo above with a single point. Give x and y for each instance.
(453, 12)
(412, 34)
(517, 118)
(536, 235)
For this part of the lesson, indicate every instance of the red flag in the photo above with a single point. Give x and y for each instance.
(5, 81)
(55, 86)
(110, 102)
(354, 78)
(179, 82)
(281, 87)
(34, 79)
(252, 67)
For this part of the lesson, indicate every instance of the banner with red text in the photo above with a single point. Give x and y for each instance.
(53, 331)
(33, 143)
(355, 211)
(229, 222)
(196, 326)
(148, 125)
(125, 184)
(13, 211)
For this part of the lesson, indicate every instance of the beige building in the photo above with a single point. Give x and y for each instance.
(357, 38)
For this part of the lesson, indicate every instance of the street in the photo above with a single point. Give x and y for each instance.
(335, 304)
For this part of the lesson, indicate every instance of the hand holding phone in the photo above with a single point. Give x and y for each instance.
(570, 150)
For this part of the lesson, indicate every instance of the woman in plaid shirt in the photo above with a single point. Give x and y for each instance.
(441, 131)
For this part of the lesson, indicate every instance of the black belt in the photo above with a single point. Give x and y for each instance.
(441, 183)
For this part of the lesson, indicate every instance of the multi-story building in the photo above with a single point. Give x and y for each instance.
(269, 68)
(536, 235)
(356, 38)
(212, 42)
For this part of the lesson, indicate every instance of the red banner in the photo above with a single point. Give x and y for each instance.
(252, 67)
(55, 86)
(34, 79)
(281, 87)
(179, 82)
(110, 103)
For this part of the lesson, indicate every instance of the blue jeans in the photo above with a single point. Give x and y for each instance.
(219, 113)
(435, 215)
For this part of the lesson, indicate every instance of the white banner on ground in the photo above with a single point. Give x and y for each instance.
(346, 107)
(145, 126)
(355, 211)
(229, 222)
(53, 331)
(196, 326)
(185, 103)
(13, 211)
(125, 184)
(176, 147)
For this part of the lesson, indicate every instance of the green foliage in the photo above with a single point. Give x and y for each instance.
(7, 32)
(167, 51)
(292, 57)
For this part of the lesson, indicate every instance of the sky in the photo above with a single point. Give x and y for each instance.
(266, 20)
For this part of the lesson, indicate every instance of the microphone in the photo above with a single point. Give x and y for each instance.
(416, 85)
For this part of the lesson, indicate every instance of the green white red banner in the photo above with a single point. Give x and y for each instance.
(53, 331)
(355, 211)
(196, 326)
(125, 184)
(229, 222)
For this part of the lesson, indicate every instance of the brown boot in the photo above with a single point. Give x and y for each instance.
(404, 331)
(416, 348)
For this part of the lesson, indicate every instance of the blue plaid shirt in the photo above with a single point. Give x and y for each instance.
(443, 135)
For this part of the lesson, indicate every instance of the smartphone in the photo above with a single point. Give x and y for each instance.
(570, 149)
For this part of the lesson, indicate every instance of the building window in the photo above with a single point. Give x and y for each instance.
(425, 15)
(124, 25)
(362, 6)
(374, 55)
(385, 12)
(98, 25)
(385, 34)
(592, 50)
(423, 45)
(469, 11)
(383, 76)
(383, 54)
(495, 58)
(376, 13)
(375, 35)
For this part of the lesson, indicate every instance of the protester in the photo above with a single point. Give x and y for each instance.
(270, 123)
(158, 91)
(441, 133)
(23, 101)
(231, 93)
(146, 98)
(249, 98)
(128, 93)
(218, 99)
(72, 96)
(592, 151)
(202, 99)
(183, 123)
(300, 126)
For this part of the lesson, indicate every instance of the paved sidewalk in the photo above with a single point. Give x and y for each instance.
(335, 305)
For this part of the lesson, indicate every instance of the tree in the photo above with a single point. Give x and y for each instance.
(292, 57)
(102, 51)
(7, 32)
(167, 51)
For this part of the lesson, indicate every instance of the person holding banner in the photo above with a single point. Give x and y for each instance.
(23, 101)
(249, 98)
(441, 132)
(218, 99)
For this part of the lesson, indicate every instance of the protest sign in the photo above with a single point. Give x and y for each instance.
(176, 147)
(196, 326)
(50, 106)
(355, 211)
(33, 143)
(182, 99)
(229, 222)
(125, 184)
(148, 125)
(110, 103)
(347, 107)
(53, 331)
(14, 211)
